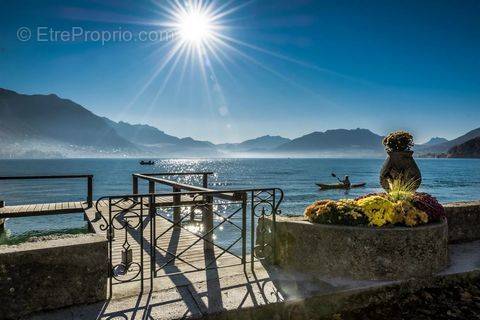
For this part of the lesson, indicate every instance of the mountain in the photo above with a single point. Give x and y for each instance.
(264, 143)
(145, 135)
(47, 126)
(340, 140)
(141, 133)
(434, 141)
(445, 146)
(469, 149)
(47, 121)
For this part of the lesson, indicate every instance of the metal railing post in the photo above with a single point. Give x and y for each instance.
(176, 207)
(153, 237)
(244, 228)
(90, 191)
(208, 223)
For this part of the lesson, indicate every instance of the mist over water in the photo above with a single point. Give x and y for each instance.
(447, 179)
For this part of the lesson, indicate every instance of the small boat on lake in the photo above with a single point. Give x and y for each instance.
(147, 163)
(324, 186)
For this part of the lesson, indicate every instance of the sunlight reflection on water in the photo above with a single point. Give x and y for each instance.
(447, 179)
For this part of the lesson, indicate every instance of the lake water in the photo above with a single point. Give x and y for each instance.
(447, 179)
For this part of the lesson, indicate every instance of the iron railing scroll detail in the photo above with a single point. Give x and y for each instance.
(162, 234)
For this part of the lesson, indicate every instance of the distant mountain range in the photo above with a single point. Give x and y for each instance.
(149, 139)
(445, 146)
(42, 126)
(468, 149)
(434, 141)
(357, 141)
(260, 144)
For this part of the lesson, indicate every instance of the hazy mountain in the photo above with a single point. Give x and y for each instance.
(468, 149)
(356, 140)
(148, 136)
(192, 143)
(445, 146)
(141, 133)
(434, 141)
(264, 143)
(49, 126)
(30, 120)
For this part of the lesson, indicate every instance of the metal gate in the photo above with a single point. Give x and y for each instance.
(162, 234)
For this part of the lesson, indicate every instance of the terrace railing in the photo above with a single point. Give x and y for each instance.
(87, 177)
(189, 229)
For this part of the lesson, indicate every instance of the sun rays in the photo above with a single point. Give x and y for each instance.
(205, 45)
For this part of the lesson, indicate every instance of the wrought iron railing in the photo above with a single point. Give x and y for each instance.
(160, 234)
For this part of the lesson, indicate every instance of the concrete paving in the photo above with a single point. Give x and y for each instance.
(228, 289)
(233, 289)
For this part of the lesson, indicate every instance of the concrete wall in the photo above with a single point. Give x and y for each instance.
(463, 221)
(52, 274)
(360, 252)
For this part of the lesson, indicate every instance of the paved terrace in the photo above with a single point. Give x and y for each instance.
(192, 274)
(230, 290)
(264, 293)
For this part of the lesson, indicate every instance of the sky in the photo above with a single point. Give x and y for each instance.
(273, 67)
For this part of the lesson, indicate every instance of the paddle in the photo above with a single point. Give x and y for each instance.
(335, 176)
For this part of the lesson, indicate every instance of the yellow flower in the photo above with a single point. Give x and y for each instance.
(379, 210)
(409, 215)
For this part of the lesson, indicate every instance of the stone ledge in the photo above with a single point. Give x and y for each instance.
(324, 306)
(52, 274)
(62, 241)
(463, 221)
(361, 252)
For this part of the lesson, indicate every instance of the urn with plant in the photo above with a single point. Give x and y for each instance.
(399, 164)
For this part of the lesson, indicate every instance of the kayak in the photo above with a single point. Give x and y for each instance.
(324, 186)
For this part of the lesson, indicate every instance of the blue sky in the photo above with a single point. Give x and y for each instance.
(293, 67)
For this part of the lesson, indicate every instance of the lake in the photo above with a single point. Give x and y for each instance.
(447, 179)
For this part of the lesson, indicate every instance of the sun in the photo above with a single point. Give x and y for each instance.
(195, 26)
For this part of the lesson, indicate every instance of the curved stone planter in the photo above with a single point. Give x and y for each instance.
(361, 252)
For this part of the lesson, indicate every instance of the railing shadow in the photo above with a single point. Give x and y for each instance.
(193, 301)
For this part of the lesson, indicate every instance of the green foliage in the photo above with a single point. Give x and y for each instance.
(398, 141)
(8, 239)
(401, 189)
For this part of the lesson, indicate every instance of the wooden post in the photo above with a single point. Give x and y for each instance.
(90, 191)
(208, 223)
(151, 186)
(205, 180)
(135, 186)
(2, 221)
(176, 207)
(205, 184)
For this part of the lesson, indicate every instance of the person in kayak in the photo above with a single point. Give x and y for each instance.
(346, 182)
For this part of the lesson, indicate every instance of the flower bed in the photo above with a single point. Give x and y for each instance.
(394, 235)
(397, 207)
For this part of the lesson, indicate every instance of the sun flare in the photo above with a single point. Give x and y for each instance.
(195, 26)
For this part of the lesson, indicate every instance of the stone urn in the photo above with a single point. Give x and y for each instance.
(400, 165)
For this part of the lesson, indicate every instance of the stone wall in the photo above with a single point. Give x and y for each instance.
(463, 221)
(52, 274)
(360, 252)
